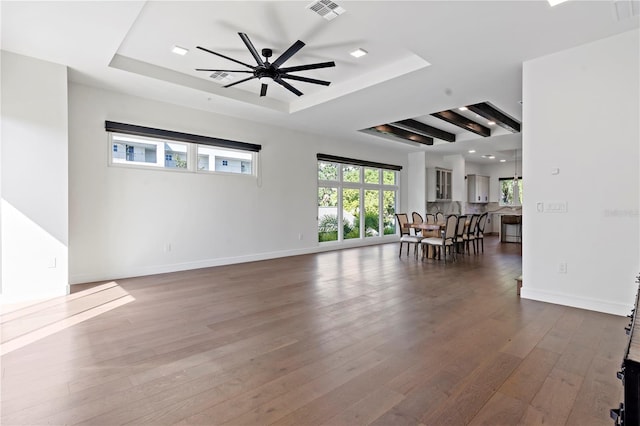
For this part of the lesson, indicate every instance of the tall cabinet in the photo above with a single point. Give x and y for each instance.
(477, 189)
(438, 184)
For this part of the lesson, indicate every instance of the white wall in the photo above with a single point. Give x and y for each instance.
(122, 219)
(581, 115)
(416, 183)
(34, 206)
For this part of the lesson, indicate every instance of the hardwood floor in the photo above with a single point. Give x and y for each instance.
(350, 337)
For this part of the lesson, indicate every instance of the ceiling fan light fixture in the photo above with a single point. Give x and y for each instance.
(179, 50)
(265, 79)
(358, 53)
(463, 108)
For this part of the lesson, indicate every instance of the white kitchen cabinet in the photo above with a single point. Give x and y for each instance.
(477, 189)
(438, 184)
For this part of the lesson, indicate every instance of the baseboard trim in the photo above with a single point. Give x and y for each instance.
(576, 301)
(221, 261)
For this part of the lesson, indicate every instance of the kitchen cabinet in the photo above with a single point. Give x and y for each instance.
(477, 189)
(438, 184)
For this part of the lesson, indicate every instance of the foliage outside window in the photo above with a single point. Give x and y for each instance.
(510, 192)
(171, 155)
(345, 192)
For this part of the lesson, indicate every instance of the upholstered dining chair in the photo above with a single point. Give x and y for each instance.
(429, 218)
(469, 235)
(439, 217)
(446, 241)
(405, 235)
(482, 221)
(460, 227)
(417, 218)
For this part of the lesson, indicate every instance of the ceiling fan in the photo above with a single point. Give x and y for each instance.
(267, 71)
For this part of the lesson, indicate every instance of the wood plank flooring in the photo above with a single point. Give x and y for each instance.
(350, 337)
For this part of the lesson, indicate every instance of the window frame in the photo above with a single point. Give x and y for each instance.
(192, 143)
(511, 180)
(159, 166)
(340, 185)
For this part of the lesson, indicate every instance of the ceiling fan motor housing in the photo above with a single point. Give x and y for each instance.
(268, 71)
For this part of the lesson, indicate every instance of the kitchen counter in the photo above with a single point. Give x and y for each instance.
(511, 228)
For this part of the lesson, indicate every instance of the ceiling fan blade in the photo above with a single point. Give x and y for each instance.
(207, 69)
(288, 86)
(308, 67)
(226, 57)
(263, 89)
(252, 49)
(305, 79)
(240, 81)
(292, 50)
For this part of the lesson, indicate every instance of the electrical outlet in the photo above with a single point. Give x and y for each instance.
(562, 268)
(53, 263)
(167, 247)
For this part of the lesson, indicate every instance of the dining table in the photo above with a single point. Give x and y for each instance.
(430, 230)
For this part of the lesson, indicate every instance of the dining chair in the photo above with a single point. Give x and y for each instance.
(405, 235)
(470, 234)
(482, 221)
(444, 242)
(417, 218)
(439, 217)
(460, 229)
(429, 218)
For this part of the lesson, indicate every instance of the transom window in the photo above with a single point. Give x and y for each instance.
(138, 146)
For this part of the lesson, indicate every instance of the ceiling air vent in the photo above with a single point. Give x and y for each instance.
(221, 77)
(326, 8)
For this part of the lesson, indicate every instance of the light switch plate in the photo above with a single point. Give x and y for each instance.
(555, 207)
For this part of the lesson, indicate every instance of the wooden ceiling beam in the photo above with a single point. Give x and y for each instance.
(404, 134)
(463, 122)
(424, 129)
(488, 111)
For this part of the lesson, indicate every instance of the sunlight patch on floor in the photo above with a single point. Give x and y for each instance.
(25, 325)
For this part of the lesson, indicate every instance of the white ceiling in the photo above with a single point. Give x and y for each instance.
(424, 56)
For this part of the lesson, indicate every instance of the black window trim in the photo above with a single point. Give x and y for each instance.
(355, 162)
(132, 129)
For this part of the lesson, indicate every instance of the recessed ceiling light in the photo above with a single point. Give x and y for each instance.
(555, 2)
(358, 53)
(463, 108)
(503, 161)
(471, 151)
(489, 156)
(179, 50)
(491, 123)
